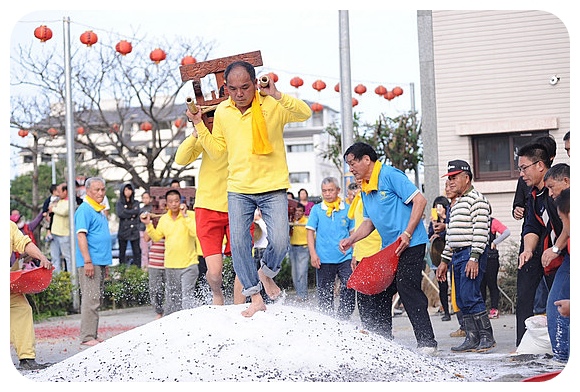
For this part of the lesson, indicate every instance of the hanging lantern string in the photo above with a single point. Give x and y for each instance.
(95, 29)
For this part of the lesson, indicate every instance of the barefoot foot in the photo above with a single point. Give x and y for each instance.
(272, 289)
(257, 305)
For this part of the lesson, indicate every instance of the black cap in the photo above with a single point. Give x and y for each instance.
(457, 166)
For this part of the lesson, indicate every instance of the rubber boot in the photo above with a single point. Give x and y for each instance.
(486, 340)
(471, 341)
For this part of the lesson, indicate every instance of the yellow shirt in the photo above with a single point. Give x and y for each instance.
(213, 174)
(299, 236)
(247, 172)
(369, 245)
(60, 223)
(18, 240)
(180, 239)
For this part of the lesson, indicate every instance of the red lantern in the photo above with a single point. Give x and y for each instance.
(146, 126)
(337, 88)
(188, 60)
(360, 89)
(115, 128)
(124, 47)
(381, 90)
(316, 107)
(157, 56)
(23, 133)
(273, 76)
(89, 38)
(397, 91)
(80, 130)
(319, 85)
(296, 82)
(52, 132)
(354, 102)
(389, 95)
(179, 123)
(43, 33)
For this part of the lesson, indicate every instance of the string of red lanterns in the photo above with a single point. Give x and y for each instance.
(89, 38)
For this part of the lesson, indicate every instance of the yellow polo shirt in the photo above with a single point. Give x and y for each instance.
(213, 174)
(247, 172)
(180, 239)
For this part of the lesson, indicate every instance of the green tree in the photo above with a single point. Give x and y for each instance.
(397, 141)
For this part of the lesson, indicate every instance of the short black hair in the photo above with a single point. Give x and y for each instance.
(240, 64)
(558, 172)
(536, 152)
(359, 150)
(441, 200)
(567, 136)
(300, 206)
(172, 191)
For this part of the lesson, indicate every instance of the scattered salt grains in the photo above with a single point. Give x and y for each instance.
(284, 343)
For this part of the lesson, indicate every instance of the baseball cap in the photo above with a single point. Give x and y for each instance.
(457, 166)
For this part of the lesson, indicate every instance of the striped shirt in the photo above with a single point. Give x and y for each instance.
(468, 225)
(157, 254)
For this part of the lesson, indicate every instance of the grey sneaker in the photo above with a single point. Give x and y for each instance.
(31, 364)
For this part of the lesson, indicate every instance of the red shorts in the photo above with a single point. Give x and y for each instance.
(212, 227)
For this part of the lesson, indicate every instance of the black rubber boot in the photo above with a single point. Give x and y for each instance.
(471, 341)
(486, 340)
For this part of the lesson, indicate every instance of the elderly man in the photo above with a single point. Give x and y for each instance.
(394, 206)
(93, 256)
(466, 249)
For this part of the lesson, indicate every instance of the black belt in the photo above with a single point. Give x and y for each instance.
(460, 249)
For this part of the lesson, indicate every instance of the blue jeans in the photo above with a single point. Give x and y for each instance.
(558, 325)
(60, 246)
(300, 261)
(468, 291)
(274, 208)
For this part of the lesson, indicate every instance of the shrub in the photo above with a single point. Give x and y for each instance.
(507, 277)
(125, 287)
(56, 300)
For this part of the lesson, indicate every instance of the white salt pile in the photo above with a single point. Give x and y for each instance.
(285, 343)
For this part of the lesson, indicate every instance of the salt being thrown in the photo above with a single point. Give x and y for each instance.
(284, 343)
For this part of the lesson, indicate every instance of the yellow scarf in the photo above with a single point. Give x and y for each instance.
(261, 144)
(373, 183)
(97, 206)
(335, 205)
(354, 205)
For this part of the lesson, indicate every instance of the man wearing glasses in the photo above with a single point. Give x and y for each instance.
(542, 226)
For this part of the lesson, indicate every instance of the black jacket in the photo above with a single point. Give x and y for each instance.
(128, 213)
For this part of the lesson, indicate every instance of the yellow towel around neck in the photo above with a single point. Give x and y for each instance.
(97, 206)
(260, 143)
(335, 205)
(354, 205)
(373, 183)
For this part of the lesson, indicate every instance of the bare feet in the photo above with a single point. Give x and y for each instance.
(92, 342)
(270, 286)
(257, 305)
(218, 299)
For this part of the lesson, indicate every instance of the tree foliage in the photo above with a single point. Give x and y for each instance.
(397, 141)
(111, 95)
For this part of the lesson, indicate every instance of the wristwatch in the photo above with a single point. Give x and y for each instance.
(556, 250)
(473, 259)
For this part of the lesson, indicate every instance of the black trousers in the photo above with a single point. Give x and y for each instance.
(407, 283)
(490, 281)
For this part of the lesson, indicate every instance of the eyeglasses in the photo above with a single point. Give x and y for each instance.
(524, 168)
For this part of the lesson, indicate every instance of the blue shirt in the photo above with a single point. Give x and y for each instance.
(390, 207)
(329, 232)
(96, 227)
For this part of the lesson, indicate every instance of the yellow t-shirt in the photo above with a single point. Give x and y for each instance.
(247, 172)
(299, 236)
(180, 239)
(369, 245)
(213, 174)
